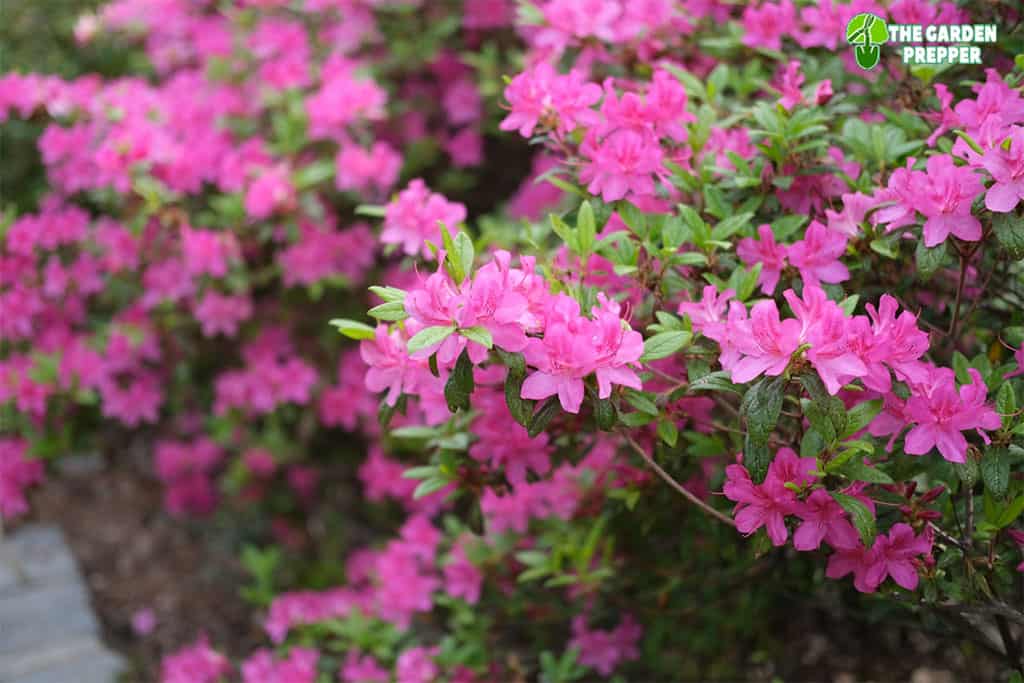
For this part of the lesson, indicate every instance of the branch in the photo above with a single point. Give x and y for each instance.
(676, 485)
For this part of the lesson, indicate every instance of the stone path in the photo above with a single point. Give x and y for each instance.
(48, 633)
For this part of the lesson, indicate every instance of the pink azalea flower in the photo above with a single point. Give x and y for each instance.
(618, 348)
(765, 24)
(847, 222)
(945, 199)
(198, 663)
(1007, 169)
(461, 577)
(17, 473)
(390, 366)
(941, 414)
(604, 650)
(412, 219)
(360, 668)
(1019, 357)
(769, 344)
(823, 520)
(890, 555)
(767, 504)
(563, 357)
(416, 665)
(766, 251)
(541, 97)
(624, 163)
(817, 255)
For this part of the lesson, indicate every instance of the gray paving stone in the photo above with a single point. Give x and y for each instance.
(40, 552)
(48, 633)
(98, 666)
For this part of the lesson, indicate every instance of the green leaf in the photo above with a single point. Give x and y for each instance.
(353, 329)
(1006, 401)
(520, 408)
(314, 174)
(371, 210)
(668, 432)
(731, 225)
(664, 344)
(674, 234)
(714, 381)
(855, 470)
(391, 311)
(642, 401)
(423, 472)
(811, 444)
(388, 294)
(428, 486)
(429, 336)
(464, 253)
(605, 414)
(540, 420)
(761, 407)
(1009, 229)
(586, 229)
(563, 230)
(827, 416)
(929, 260)
(480, 335)
(967, 472)
(1010, 513)
(460, 385)
(756, 458)
(995, 470)
(860, 416)
(860, 515)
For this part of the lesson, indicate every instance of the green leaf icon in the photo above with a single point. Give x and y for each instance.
(867, 32)
(867, 56)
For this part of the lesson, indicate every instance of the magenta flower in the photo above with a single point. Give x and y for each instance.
(766, 251)
(563, 357)
(823, 520)
(945, 199)
(462, 579)
(817, 255)
(768, 503)
(768, 345)
(416, 665)
(825, 329)
(855, 207)
(604, 650)
(618, 347)
(541, 97)
(197, 663)
(17, 473)
(389, 364)
(890, 556)
(624, 163)
(1007, 169)
(412, 219)
(941, 414)
(765, 24)
(1019, 357)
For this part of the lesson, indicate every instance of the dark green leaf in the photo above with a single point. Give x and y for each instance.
(756, 458)
(856, 470)
(929, 260)
(540, 420)
(1009, 229)
(761, 407)
(460, 385)
(860, 416)
(995, 470)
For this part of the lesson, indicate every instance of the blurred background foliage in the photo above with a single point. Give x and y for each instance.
(37, 36)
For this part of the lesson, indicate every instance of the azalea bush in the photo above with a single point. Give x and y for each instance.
(655, 320)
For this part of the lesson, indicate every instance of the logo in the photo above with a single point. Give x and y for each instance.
(929, 45)
(867, 33)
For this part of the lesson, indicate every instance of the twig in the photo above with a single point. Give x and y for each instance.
(676, 485)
